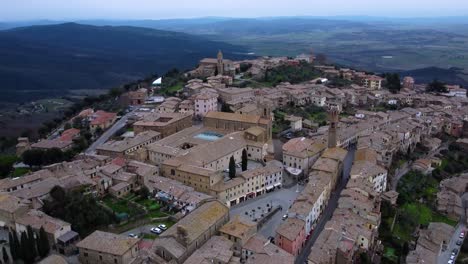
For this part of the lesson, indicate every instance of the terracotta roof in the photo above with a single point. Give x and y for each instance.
(199, 220)
(291, 228)
(37, 219)
(10, 203)
(108, 243)
(233, 117)
(69, 134)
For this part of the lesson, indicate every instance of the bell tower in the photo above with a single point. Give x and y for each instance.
(220, 63)
(333, 116)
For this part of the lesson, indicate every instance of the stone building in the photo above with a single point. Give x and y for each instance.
(191, 232)
(107, 248)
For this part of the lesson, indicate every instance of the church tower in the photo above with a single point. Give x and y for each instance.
(220, 63)
(333, 115)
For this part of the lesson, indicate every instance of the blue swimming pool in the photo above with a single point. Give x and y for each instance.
(209, 136)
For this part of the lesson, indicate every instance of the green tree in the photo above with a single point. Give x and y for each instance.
(26, 250)
(67, 126)
(82, 211)
(225, 108)
(32, 242)
(232, 167)
(53, 155)
(244, 160)
(43, 246)
(144, 192)
(6, 259)
(77, 122)
(13, 241)
(436, 86)
(98, 131)
(393, 82)
(33, 157)
(6, 164)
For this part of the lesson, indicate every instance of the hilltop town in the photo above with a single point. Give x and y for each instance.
(266, 160)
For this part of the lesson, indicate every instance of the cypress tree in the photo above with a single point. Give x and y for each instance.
(244, 160)
(26, 255)
(43, 246)
(15, 246)
(5, 255)
(32, 242)
(11, 240)
(232, 167)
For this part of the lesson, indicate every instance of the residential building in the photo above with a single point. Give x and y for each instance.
(259, 250)
(101, 119)
(137, 97)
(53, 227)
(232, 122)
(238, 230)
(164, 123)
(204, 103)
(301, 153)
(191, 232)
(234, 93)
(291, 235)
(371, 82)
(11, 208)
(408, 83)
(431, 242)
(127, 146)
(107, 248)
(217, 249)
(46, 144)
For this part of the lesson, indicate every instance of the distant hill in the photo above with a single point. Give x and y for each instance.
(51, 59)
(450, 76)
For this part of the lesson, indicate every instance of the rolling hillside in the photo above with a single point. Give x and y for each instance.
(45, 61)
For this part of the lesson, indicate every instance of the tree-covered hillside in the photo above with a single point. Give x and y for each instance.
(49, 60)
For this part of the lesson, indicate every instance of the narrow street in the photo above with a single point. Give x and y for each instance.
(444, 256)
(328, 212)
(109, 133)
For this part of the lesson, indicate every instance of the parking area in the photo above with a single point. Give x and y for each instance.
(145, 230)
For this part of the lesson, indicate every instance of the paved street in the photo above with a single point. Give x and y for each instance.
(444, 257)
(146, 229)
(109, 133)
(328, 212)
(283, 197)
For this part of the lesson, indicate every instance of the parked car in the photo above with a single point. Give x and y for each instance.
(462, 235)
(156, 230)
(459, 243)
(133, 235)
(454, 251)
(162, 226)
(285, 217)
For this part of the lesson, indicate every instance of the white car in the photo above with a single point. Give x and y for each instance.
(285, 217)
(162, 226)
(156, 230)
(133, 235)
(450, 262)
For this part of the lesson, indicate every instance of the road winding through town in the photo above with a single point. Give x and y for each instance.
(109, 133)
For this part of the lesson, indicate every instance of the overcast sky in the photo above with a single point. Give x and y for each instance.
(162, 9)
